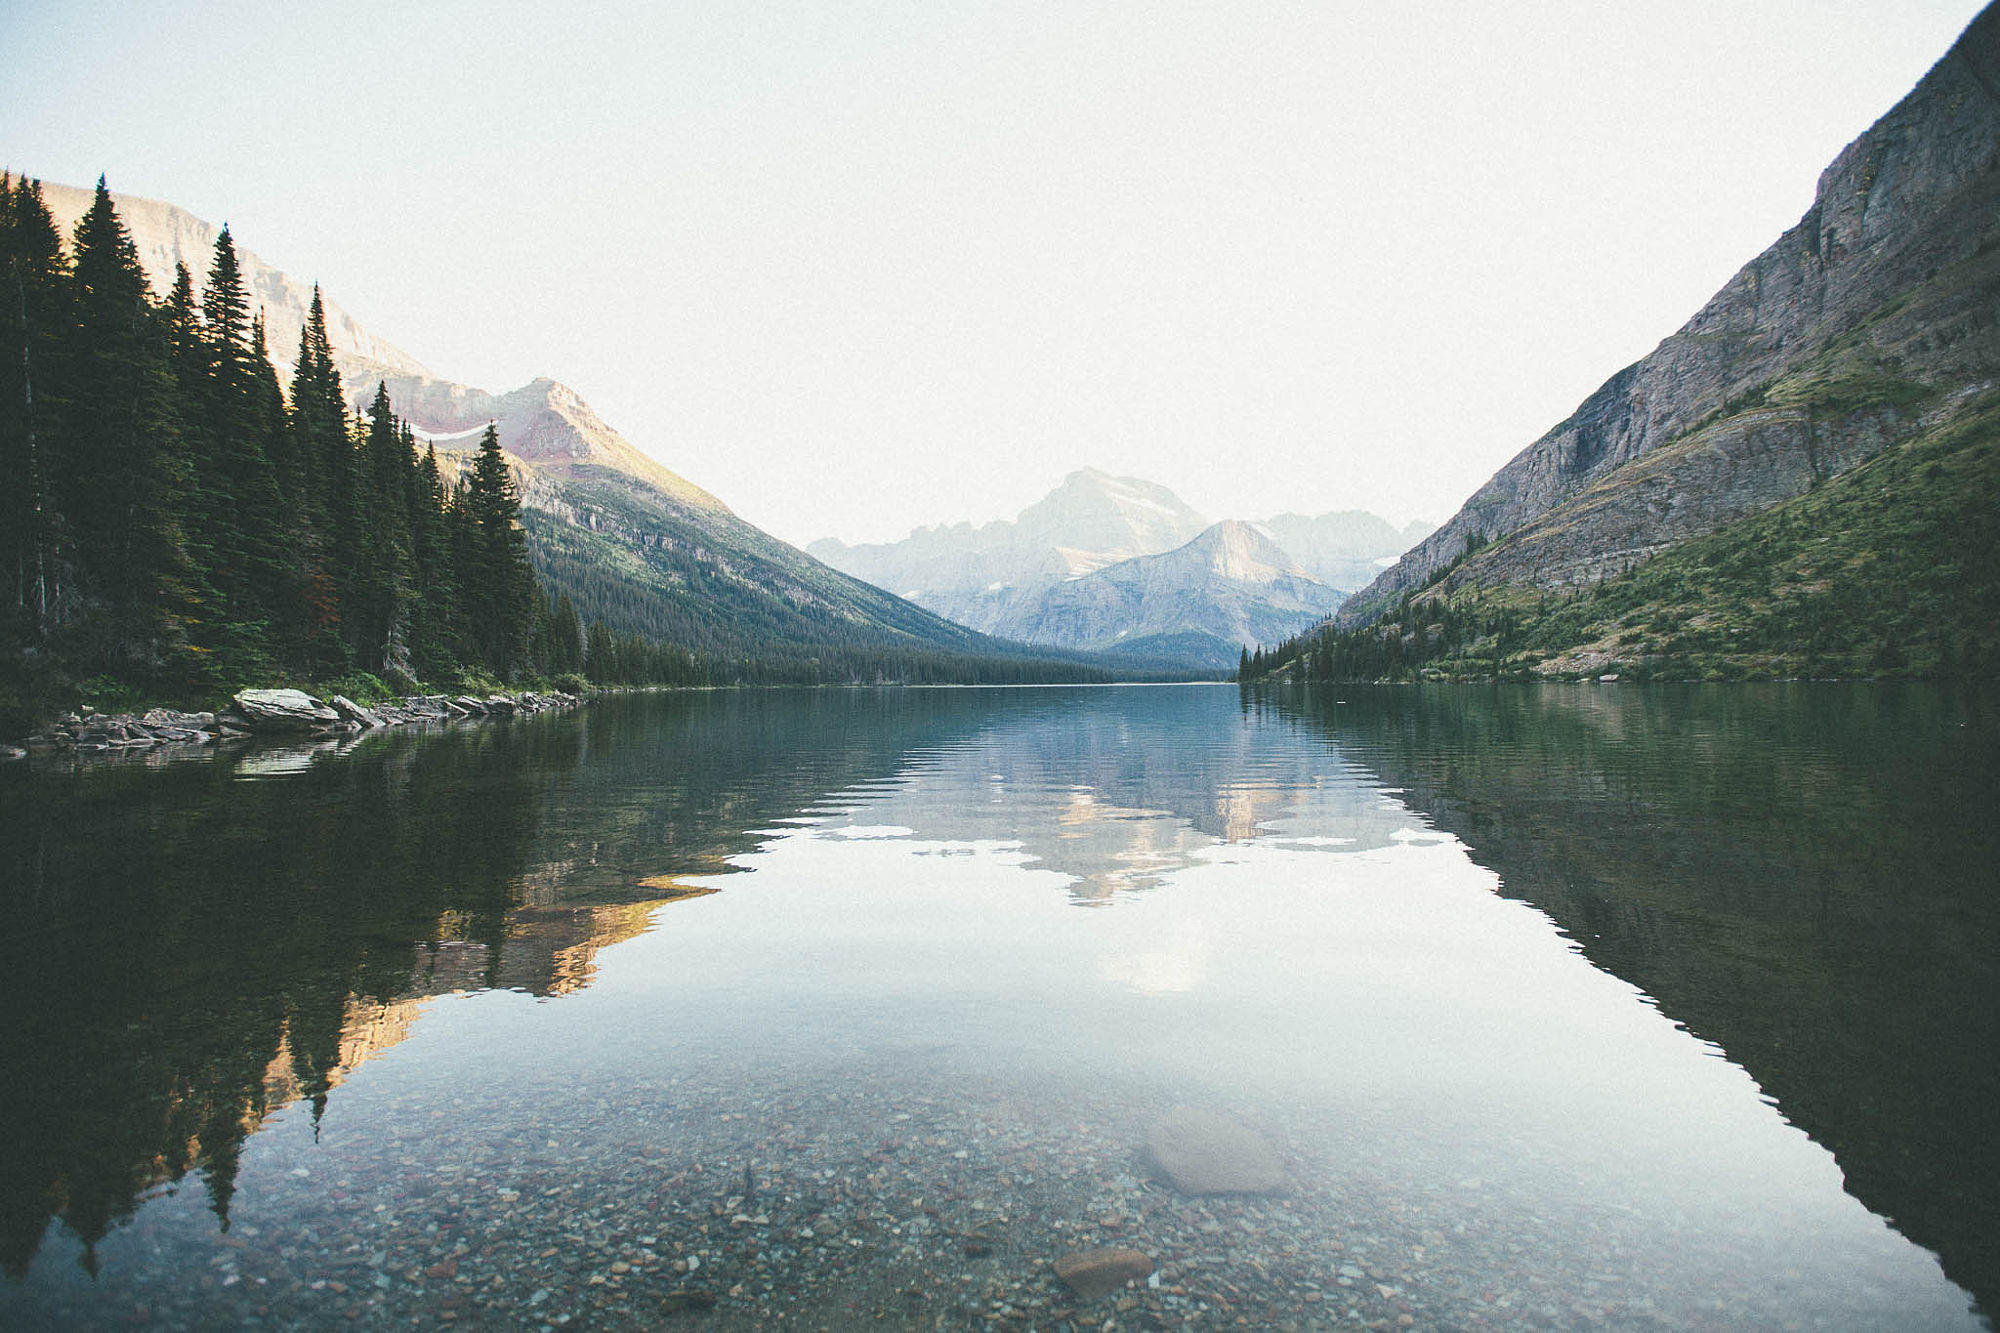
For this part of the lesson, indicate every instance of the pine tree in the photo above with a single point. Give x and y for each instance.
(186, 360)
(500, 581)
(31, 314)
(319, 426)
(376, 601)
(434, 639)
(319, 449)
(600, 650)
(567, 654)
(235, 491)
(123, 476)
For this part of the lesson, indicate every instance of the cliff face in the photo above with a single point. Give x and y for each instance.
(1871, 318)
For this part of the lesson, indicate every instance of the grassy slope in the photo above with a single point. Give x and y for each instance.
(706, 581)
(1890, 568)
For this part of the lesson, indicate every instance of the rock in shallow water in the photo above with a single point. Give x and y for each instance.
(1094, 1273)
(1201, 1152)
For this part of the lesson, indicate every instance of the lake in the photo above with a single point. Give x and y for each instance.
(1559, 1006)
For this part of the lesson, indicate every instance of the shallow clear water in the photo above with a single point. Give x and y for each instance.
(1561, 1006)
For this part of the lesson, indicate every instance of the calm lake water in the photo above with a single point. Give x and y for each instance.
(1562, 1006)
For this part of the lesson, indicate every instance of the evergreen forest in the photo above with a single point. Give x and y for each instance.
(178, 523)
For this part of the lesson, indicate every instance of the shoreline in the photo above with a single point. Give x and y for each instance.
(268, 714)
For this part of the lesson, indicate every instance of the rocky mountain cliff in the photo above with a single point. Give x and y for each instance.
(634, 544)
(1876, 318)
(1199, 603)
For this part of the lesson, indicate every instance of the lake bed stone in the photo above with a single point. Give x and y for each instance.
(1094, 1273)
(1203, 1152)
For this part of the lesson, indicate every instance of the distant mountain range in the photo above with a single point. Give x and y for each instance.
(1801, 480)
(1201, 602)
(1125, 566)
(635, 545)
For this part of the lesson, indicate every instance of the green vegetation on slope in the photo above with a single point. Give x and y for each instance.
(175, 525)
(1890, 569)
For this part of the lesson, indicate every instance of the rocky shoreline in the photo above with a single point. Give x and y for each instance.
(290, 714)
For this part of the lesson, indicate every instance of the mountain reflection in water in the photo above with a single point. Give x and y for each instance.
(192, 943)
(1803, 876)
(1807, 875)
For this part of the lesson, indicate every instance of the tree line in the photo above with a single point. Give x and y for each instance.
(176, 522)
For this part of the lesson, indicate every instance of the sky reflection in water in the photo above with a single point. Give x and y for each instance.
(1276, 920)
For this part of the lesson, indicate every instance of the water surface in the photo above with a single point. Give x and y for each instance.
(1562, 1006)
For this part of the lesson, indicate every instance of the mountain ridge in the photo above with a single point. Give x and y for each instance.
(543, 422)
(1013, 577)
(634, 544)
(1229, 587)
(1813, 358)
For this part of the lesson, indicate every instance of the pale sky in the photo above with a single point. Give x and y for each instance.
(858, 267)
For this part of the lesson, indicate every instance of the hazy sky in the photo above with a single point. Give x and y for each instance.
(860, 266)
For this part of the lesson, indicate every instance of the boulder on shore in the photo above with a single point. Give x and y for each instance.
(353, 712)
(282, 710)
(287, 713)
(1201, 1152)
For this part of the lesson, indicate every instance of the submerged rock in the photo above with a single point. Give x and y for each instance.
(282, 710)
(1202, 1152)
(1094, 1273)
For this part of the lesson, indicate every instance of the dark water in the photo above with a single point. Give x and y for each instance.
(1563, 1006)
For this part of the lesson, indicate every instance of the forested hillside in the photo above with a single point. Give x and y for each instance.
(177, 523)
(1890, 569)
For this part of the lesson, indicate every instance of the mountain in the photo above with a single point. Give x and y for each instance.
(1193, 592)
(635, 545)
(1867, 330)
(166, 235)
(1199, 603)
(985, 576)
(1347, 548)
